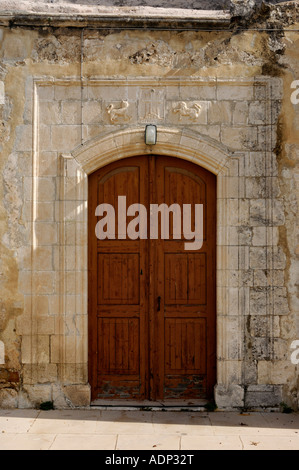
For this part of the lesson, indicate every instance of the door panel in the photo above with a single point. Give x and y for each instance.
(118, 282)
(185, 279)
(118, 279)
(152, 302)
(186, 286)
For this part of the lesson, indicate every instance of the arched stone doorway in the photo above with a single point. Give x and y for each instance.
(185, 145)
(182, 144)
(152, 296)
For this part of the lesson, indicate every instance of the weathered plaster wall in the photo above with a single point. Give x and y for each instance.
(256, 125)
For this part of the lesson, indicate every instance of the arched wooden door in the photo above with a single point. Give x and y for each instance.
(152, 302)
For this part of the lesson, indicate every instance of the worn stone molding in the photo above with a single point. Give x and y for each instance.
(22, 13)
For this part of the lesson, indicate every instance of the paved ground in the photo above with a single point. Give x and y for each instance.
(146, 430)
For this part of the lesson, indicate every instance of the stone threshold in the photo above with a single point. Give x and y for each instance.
(169, 405)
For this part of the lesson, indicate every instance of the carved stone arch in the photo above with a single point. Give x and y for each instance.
(129, 142)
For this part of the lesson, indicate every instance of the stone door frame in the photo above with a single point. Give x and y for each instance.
(204, 152)
(68, 327)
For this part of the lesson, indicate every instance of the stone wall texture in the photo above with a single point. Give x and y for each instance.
(56, 87)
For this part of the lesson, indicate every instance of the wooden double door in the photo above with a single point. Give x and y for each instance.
(151, 300)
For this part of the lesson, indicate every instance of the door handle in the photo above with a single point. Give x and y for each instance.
(159, 304)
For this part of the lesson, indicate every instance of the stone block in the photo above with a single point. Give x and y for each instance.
(37, 394)
(259, 301)
(282, 372)
(24, 282)
(265, 236)
(35, 350)
(244, 235)
(258, 257)
(23, 140)
(249, 369)
(108, 93)
(277, 88)
(200, 92)
(65, 138)
(231, 187)
(228, 256)
(257, 212)
(277, 212)
(255, 164)
(280, 301)
(240, 113)
(263, 396)
(73, 373)
(45, 92)
(281, 350)
(46, 233)
(239, 138)
(49, 112)
(260, 348)
(230, 328)
(92, 112)
(261, 325)
(256, 187)
(39, 373)
(235, 92)
(71, 112)
(44, 283)
(279, 258)
(8, 398)
(220, 112)
(48, 164)
(42, 258)
(56, 342)
(78, 395)
(73, 396)
(211, 131)
(16, 46)
(23, 401)
(67, 92)
(43, 211)
(39, 189)
(44, 137)
(59, 399)
(258, 113)
(229, 396)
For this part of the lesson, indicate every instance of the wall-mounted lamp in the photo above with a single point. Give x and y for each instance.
(150, 134)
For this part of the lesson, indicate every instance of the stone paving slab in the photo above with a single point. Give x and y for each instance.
(95, 429)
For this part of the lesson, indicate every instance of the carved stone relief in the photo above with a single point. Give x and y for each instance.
(119, 114)
(192, 111)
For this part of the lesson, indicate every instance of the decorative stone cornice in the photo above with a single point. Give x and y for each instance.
(25, 13)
